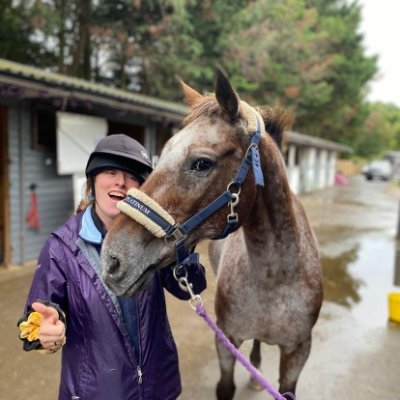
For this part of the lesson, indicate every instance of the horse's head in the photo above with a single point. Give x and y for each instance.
(195, 167)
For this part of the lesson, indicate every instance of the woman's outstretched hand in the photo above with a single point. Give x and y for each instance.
(52, 330)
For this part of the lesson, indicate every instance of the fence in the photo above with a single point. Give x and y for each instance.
(349, 167)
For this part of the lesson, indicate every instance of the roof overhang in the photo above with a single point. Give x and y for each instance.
(312, 141)
(21, 81)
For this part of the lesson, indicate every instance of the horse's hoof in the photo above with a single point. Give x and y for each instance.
(225, 392)
(253, 384)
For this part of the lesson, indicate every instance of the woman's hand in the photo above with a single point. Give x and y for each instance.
(52, 330)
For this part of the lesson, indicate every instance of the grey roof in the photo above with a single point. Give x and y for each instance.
(312, 141)
(55, 84)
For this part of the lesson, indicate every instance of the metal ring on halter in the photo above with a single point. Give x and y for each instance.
(177, 269)
(233, 183)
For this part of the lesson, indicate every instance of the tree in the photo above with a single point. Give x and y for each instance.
(381, 131)
(306, 56)
(18, 26)
(124, 38)
(81, 54)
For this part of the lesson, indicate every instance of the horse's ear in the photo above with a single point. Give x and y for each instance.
(226, 96)
(192, 97)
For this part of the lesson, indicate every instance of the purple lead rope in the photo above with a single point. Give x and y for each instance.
(201, 311)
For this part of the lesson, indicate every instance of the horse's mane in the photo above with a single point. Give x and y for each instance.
(276, 120)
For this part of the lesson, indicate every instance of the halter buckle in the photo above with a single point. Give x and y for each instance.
(177, 234)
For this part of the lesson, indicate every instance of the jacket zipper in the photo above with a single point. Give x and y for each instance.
(139, 361)
(140, 375)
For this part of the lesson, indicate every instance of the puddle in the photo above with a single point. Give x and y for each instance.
(361, 275)
(339, 285)
(350, 202)
(329, 235)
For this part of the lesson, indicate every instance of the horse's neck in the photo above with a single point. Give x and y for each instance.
(272, 222)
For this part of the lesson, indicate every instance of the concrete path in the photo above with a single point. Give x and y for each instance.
(356, 350)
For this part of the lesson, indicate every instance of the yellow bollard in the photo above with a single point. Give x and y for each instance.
(394, 307)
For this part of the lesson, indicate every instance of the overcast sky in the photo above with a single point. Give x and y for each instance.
(381, 29)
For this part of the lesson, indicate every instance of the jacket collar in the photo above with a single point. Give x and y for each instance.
(89, 231)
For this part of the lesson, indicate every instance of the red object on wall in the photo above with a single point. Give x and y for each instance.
(32, 217)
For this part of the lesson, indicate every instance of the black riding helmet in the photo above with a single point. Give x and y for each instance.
(120, 152)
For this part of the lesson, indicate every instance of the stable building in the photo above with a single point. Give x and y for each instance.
(311, 161)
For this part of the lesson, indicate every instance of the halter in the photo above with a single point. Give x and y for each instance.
(146, 211)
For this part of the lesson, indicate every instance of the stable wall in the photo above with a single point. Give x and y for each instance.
(28, 166)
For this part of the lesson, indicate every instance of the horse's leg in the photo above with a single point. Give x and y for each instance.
(291, 363)
(255, 359)
(226, 386)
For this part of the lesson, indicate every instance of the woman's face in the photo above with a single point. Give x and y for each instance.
(111, 186)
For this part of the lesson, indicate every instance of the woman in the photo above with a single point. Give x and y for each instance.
(112, 347)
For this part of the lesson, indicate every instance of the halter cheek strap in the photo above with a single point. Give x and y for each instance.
(147, 212)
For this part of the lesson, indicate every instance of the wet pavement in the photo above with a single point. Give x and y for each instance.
(356, 349)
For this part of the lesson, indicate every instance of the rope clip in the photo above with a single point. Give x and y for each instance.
(185, 285)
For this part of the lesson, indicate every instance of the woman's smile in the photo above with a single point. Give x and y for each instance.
(110, 187)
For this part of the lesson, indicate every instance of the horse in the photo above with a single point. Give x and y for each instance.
(269, 281)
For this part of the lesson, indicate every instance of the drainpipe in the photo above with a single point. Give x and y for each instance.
(21, 185)
(397, 260)
(150, 138)
(398, 224)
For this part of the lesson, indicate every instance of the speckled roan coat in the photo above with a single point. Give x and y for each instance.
(269, 277)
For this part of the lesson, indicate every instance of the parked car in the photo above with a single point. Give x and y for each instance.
(380, 169)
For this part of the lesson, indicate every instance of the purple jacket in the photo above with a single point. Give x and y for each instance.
(98, 359)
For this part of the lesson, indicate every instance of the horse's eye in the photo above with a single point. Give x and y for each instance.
(201, 165)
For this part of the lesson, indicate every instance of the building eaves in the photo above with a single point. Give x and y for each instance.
(305, 140)
(79, 88)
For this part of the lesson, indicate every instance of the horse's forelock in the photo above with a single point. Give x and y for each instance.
(206, 107)
(209, 106)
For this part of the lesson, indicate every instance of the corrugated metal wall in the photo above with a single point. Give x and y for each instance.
(54, 192)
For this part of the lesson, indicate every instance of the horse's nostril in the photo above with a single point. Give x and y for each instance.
(114, 264)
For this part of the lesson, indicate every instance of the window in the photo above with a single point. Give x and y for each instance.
(134, 131)
(43, 128)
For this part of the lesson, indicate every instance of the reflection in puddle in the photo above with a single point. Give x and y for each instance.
(338, 235)
(339, 285)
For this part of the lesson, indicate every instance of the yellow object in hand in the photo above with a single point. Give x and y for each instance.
(30, 328)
